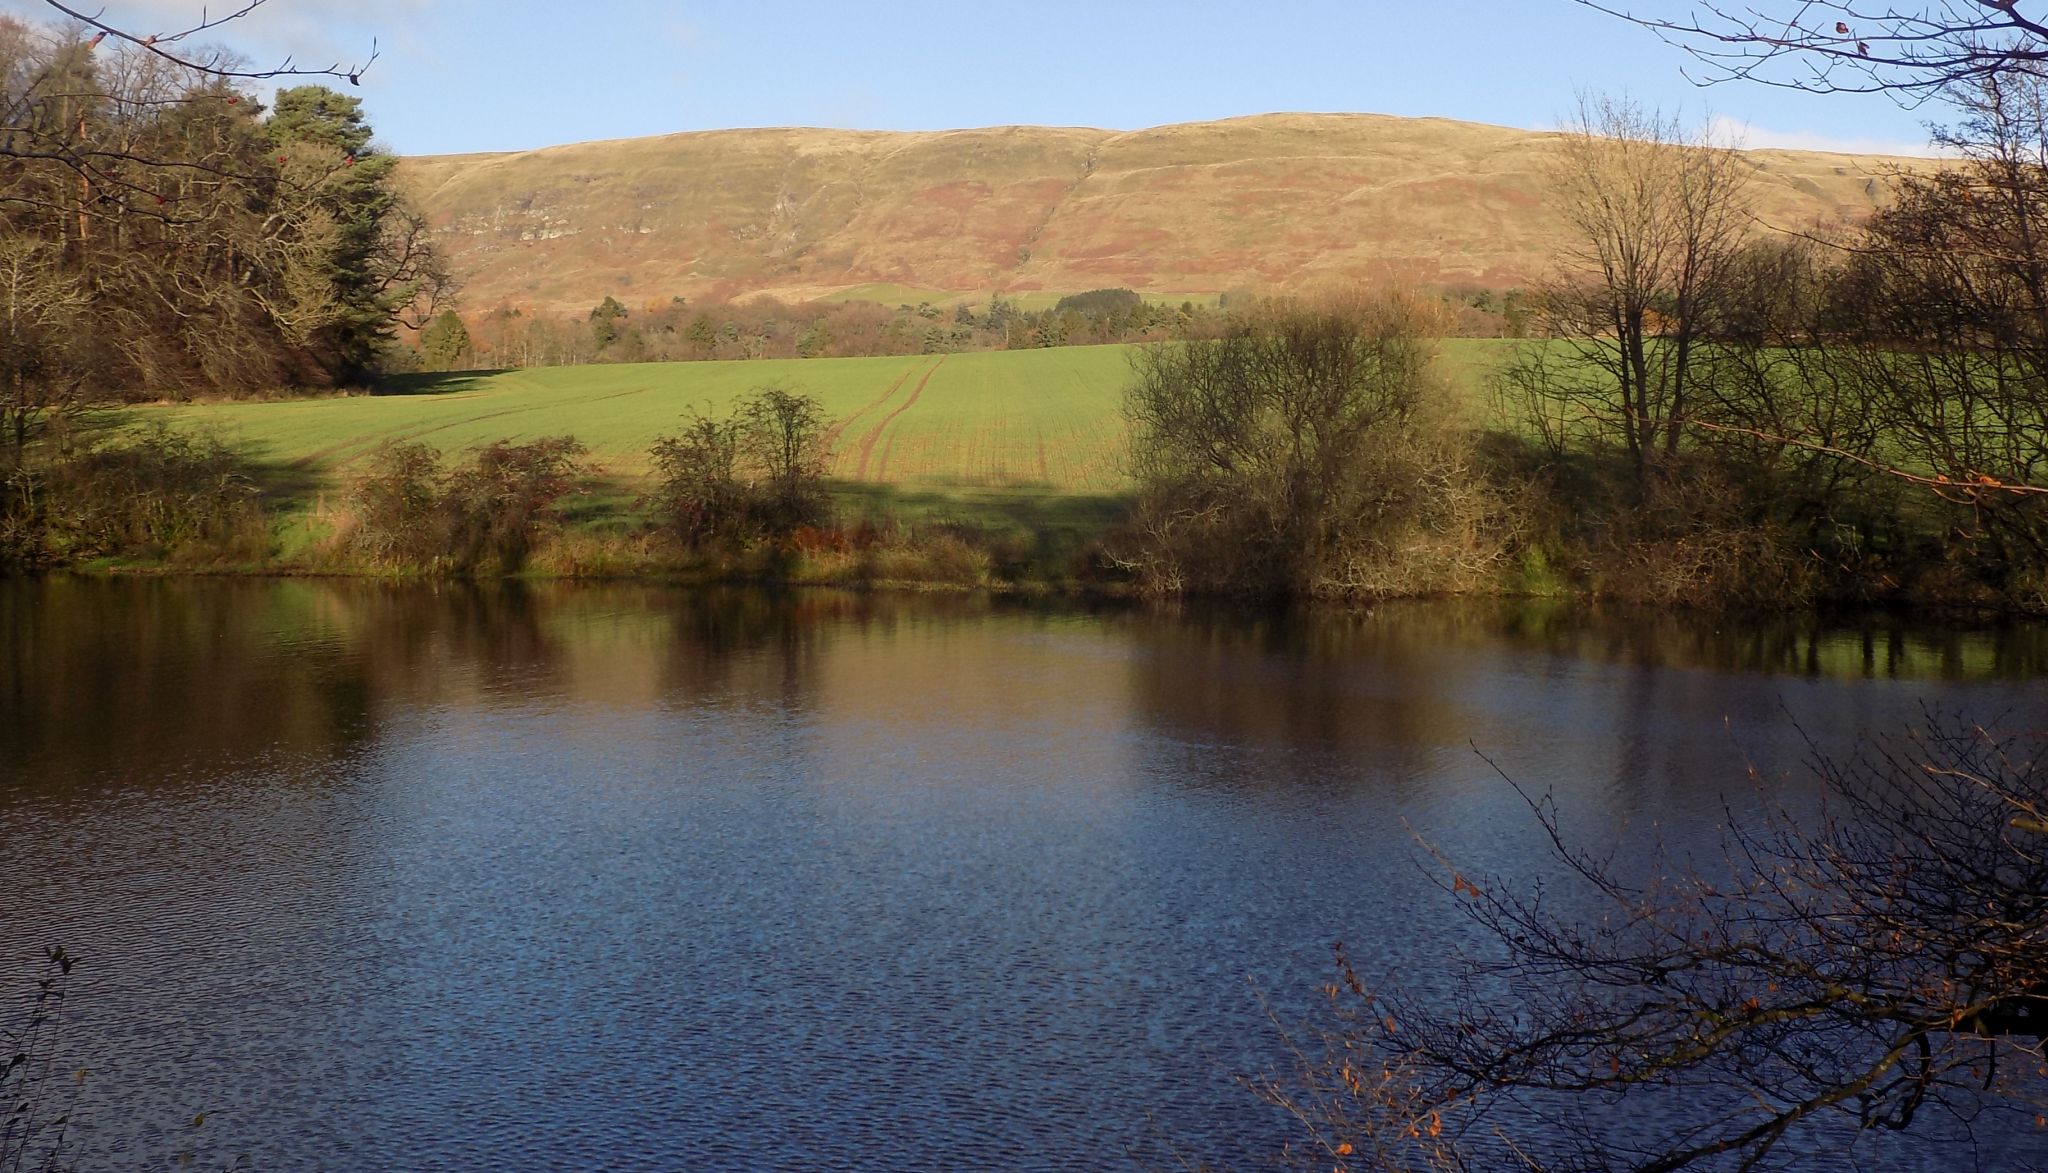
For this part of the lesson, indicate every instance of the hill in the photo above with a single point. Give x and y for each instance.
(1272, 201)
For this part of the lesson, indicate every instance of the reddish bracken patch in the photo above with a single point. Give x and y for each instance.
(960, 195)
(1136, 242)
(810, 539)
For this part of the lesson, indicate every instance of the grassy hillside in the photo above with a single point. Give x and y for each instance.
(1275, 201)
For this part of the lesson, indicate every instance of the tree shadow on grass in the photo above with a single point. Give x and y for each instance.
(1023, 510)
(435, 383)
(287, 486)
(280, 484)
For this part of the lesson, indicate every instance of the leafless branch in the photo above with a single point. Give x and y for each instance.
(1840, 46)
(215, 64)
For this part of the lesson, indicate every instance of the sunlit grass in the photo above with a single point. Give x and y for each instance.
(989, 436)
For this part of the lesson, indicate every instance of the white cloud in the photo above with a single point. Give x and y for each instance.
(1734, 132)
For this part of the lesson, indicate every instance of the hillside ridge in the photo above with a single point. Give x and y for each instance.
(1280, 200)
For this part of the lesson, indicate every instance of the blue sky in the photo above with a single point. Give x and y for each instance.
(475, 75)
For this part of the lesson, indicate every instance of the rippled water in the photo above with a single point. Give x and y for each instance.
(407, 877)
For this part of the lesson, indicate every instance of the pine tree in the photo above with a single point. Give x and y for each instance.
(445, 342)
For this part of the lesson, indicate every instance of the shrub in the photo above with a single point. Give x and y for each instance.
(701, 497)
(783, 441)
(759, 473)
(164, 494)
(480, 516)
(1307, 452)
(395, 504)
(496, 504)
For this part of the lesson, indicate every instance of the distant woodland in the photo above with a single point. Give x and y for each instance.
(764, 327)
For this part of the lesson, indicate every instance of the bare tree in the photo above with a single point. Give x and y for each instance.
(1938, 322)
(42, 318)
(187, 48)
(1657, 216)
(43, 108)
(1877, 969)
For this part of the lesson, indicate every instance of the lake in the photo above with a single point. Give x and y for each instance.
(450, 877)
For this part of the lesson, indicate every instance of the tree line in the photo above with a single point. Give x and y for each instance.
(680, 330)
(685, 330)
(162, 233)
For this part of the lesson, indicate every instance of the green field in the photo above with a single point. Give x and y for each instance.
(1005, 432)
(1034, 419)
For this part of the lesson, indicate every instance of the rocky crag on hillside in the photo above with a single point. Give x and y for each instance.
(1274, 201)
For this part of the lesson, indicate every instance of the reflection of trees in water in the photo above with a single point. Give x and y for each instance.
(1597, 700)
(1351, 678)
(1300, 679)
(139, 681)
(443, 641)
(1843, 646)
(152, 678)
(136, 681)
(740, 644)
(735, 644)
(145, 680)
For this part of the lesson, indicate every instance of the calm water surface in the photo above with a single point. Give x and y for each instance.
(447, 878)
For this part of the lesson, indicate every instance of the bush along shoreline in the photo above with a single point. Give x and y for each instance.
(1430, 511)
(737, 499)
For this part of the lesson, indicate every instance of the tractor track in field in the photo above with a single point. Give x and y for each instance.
(310, 459)
(867, 443)
(837, 430)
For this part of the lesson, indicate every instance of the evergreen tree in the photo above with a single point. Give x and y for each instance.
(702, 335)
(445, 342)
(604, 321)
(351, 222)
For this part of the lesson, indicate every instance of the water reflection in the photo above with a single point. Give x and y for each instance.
(165, 678)
(443, 876)
(152, 681)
